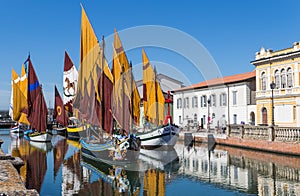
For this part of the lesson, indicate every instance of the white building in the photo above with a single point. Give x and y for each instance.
(167, 84)
(221, 101)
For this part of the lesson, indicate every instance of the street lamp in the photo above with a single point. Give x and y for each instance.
(208, 115)
(272, 85)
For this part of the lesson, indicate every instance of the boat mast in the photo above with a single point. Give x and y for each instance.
(123, 98)
(156, 100)
(131, 97)
(102, 87)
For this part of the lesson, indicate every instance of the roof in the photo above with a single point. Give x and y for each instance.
(221, 81)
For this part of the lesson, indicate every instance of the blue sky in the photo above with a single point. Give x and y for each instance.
(231, 31)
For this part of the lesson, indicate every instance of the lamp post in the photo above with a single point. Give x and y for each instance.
(208, 115)
(272, 86)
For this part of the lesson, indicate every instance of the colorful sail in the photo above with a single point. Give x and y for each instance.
(90, 59)
(37, 108)
(59, 112)
(121, 96)
(14, 80)
(20, 86)
(120, 55)
(70, 79)
(153, 97)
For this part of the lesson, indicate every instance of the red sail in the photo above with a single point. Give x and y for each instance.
(107, 103)
(59, 112)
(37, 108)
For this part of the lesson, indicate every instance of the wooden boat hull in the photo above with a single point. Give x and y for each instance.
(165, 137)
(109, 153)
(75, 133)
(40, 137)
(17, 129)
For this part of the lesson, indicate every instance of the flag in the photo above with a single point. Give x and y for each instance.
(59, 112)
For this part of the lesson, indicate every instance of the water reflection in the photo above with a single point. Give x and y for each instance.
(59, 165)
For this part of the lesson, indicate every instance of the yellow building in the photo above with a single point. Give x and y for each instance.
(282, 69)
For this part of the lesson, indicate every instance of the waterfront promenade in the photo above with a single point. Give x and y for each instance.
(10, 180)
(281, 140)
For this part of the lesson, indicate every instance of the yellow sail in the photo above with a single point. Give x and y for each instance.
(23, 98)
(121, 96)
(153, 97)
(90, 56)
(90, 60)
(120, 56)
(15, 87)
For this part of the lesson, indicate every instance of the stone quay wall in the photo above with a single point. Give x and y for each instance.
(284, 140)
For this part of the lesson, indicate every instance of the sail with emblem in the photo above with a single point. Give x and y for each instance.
(70, 79)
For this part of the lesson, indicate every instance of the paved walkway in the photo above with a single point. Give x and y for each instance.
(10, 180)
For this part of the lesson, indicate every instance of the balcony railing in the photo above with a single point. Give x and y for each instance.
(285, 134)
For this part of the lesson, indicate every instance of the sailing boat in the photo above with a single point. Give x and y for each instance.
(59, 114)
(19, 94)
(164, 134)
(37, 109)
(75, 129)
(95, 88)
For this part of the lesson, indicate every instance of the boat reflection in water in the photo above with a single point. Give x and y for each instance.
(183, 170)
(112, 178)
(34, 156)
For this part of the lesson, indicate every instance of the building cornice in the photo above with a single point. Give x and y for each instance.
(276, 58)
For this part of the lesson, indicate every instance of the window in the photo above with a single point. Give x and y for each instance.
(289, 76)
(223, 99)
(283, 78)
(234, 119)
(213, 100)
(263, 80)
(186, 102)
(195, 120)
(277, 79)
(180, 120)
(234, 97)
(195, 102)
(204, 119)
(203, 101)
(179, 103)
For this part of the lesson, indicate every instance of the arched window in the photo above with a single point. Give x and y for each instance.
(263, 80)
(277, 79)
(283, 78)
(289, 77)
(264, 115)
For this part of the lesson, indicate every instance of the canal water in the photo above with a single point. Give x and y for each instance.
(59, 169)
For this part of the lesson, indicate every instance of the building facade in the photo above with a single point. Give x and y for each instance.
(167, 84)
(282, 69)
(215, 103)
